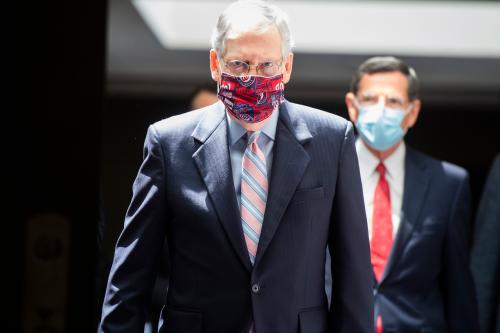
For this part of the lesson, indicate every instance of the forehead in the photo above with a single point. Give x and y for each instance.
(254, 45)
(385, 82)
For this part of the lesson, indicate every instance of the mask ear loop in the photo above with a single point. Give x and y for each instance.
(220, 77)
(409, 108)
(219, 68)
(356, 103)
(407, 112)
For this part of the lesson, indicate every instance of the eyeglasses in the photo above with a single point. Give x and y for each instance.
(238, 67)
(391, 101)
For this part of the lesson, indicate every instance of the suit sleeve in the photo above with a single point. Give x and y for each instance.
(132, 274)
(351, 310)
(460, 300)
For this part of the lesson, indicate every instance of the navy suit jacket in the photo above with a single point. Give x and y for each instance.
(485, 258)
(184, 190)
(427, 285)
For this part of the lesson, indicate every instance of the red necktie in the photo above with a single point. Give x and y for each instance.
(381, 242)
(379, 328)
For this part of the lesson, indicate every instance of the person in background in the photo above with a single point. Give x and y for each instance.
(203, 95)
(248, 192)
(418, 209)
(485, 258)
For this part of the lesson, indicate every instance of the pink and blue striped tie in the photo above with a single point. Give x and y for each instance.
(254, 189)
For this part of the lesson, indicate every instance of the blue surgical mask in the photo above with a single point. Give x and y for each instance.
(380, 126)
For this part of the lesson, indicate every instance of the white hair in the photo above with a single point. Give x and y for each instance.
(251, 15)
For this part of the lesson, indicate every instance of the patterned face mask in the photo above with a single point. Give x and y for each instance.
(251, 98)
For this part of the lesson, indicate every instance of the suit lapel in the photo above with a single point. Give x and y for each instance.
(290, 161)
(213, 161)
(415, 186)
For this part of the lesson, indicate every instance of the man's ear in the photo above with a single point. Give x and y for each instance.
(214, 65)
(288, 68)
(412, 117)
(351, 108)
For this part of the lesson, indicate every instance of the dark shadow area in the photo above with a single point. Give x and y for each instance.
(60, 99)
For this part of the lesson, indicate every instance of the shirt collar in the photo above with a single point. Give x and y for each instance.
(368, 162)
(394, 164)
(236, 131)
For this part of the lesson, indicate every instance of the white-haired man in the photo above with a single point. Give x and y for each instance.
(248, 191)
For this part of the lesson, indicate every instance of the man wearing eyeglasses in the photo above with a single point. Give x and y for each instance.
(248, 191)
(418, 209)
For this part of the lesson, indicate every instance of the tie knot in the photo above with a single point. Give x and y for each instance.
(252, 137)
(381, 169)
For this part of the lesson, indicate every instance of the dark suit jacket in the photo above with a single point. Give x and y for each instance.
(185, 190)
(427, 285)
(485, 260)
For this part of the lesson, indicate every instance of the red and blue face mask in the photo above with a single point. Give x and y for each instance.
(251, 98)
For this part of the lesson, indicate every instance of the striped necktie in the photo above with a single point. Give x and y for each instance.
(254, 189)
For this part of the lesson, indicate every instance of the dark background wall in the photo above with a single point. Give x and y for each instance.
(60, 88)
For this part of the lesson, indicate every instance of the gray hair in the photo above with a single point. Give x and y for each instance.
(251, 15)
(383, 65)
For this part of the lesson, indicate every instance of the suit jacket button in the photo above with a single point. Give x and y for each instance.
(255, 288)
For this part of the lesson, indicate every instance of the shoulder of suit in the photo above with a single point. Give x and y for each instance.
(436, 166)
(316, 117)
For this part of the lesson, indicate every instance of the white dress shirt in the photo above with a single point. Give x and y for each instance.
(395, 175)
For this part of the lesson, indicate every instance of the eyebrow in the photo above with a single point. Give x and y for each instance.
(386, 95)
(249, 62)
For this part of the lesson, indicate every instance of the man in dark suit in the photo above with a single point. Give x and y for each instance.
(485, 258)
(248, 191)
(418, 209)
